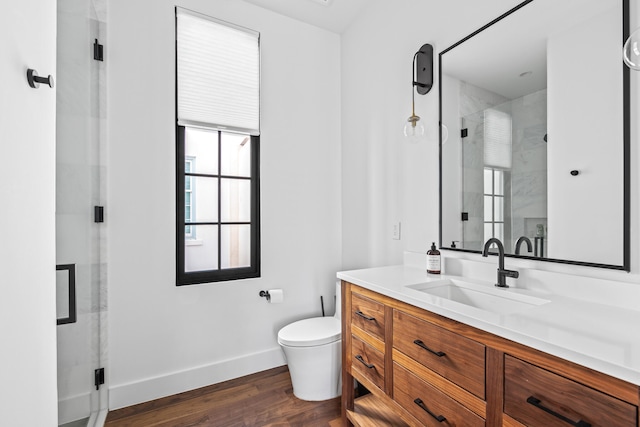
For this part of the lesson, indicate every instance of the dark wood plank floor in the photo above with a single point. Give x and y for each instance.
(262, 399)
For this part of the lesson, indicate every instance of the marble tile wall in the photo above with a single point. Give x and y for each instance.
(526, 188)
(473, 101)
(529, 173)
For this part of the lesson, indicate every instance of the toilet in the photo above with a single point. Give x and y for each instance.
(312, 348)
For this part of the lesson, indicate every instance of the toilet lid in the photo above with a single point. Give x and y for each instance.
(311, 332)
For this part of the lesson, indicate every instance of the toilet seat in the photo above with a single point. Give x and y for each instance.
(311, 332)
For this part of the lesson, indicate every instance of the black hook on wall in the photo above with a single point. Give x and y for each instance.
(34, 79)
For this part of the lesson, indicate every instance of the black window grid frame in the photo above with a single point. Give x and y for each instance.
(192, 190)
(495, 196)
(220, 274)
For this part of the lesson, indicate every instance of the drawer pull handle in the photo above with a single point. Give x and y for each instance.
(368, 365)
(536, 402)
(364, 316)
(419, 343)
(421, 404)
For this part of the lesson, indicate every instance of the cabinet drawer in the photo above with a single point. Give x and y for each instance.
(367, 361)
(428, 404)
(537, 397)
(367, 315)
(453, 356)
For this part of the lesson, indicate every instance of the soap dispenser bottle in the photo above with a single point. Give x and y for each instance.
(433, 260)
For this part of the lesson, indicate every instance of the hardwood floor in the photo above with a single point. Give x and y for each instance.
(262, 399)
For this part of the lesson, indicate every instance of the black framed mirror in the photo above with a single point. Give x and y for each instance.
(537, 108)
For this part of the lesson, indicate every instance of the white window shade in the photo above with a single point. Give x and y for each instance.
(218, 74)
(497, 139)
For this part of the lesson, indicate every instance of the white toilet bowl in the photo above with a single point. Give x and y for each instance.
(313, 351)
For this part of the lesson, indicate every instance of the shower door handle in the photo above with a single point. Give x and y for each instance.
(72, 317)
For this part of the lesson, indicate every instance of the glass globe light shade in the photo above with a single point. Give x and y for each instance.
(413, 129)
(631, 51)
(445, 133)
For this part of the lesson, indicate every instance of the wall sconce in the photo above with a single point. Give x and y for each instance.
(631, 51)
(422, 80)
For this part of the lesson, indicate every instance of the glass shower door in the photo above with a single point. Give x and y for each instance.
(472, 181)
(80, 234)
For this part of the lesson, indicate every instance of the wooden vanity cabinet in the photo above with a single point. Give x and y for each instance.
(537, 397)
(456, 358)
(367, 333)
(367, 361)
(428, 403)
(423, 369)
(368, 315)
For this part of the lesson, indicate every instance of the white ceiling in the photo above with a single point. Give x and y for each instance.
(472, 62)
(336, 16)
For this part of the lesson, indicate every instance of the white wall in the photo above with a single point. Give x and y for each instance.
(385, 179)
(27, 219)
(165, 339)
(589, 215)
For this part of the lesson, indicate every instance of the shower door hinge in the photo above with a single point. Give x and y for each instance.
(98, 51)
(99, 377)
(464, 132)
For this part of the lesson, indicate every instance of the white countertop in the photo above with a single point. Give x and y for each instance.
(601, 337)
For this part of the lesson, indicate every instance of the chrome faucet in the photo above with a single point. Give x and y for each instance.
(519, 242)
(502, 273)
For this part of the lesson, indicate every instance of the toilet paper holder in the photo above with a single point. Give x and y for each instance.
(265, 294)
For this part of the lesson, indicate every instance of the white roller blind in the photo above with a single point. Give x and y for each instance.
(497, 139)
(218, 74)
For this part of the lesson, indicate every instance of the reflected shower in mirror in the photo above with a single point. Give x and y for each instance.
(537, 106)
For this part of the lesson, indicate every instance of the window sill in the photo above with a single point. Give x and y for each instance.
(193, 242)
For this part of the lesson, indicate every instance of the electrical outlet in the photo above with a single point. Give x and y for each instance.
(396, 231)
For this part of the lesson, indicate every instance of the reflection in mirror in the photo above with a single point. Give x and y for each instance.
(536, 107)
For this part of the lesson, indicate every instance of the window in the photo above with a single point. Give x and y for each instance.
(494, 200)
(497, 139)
(497, 163)
(188, 197)
(217, 151)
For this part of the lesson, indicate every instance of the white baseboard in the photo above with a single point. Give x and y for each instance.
(74, 408)
(122, 395)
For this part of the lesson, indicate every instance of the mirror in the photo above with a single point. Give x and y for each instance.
(537, 108)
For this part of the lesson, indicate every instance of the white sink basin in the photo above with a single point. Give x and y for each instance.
(483, 297)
